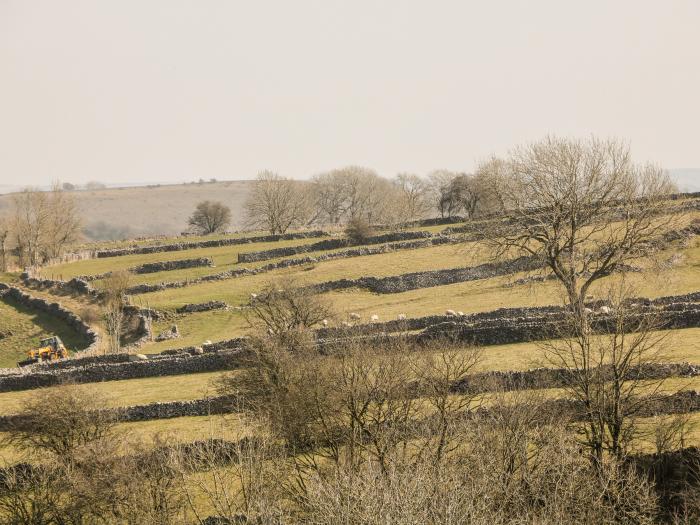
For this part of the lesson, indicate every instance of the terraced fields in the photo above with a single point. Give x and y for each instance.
(678, 274)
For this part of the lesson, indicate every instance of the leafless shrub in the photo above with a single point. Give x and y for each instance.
(115, 286)
(358, 230)
(59, 420)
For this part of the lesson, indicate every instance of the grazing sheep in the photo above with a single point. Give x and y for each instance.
(587, 311)
(207, 342)
(450, 313)
(354, 316)
(460, 313)
(401, 317)
(374, 318)
(324, 322)
(604, 310)
(253, 296)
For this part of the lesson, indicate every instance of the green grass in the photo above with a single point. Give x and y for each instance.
(28, 327)
(133, 391)
(223, 256)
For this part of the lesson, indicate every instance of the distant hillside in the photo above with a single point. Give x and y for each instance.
(688, 179)
(148, 210)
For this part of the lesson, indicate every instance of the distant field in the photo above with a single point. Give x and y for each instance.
(151, 210)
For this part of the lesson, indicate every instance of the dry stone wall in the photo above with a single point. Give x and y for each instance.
(428, 279)
(55, 310)
(180, 246)
(329, 244)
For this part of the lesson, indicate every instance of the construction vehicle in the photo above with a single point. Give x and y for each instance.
(50, 349)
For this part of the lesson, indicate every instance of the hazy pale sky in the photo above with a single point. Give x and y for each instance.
(171, 90)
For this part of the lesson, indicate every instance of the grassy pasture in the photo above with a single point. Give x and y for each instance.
(223, 256)
(133, 391)
(27, 328)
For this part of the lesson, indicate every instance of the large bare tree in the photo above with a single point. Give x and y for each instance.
(44, 224)
(277, 203)
(582, 206)
(4, 234)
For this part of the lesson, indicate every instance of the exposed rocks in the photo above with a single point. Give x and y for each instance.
(171, 333)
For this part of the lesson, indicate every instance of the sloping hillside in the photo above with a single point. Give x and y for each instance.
(149, 210)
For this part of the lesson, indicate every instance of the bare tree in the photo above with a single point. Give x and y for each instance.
(44, 224)
(411, 202)
(441, 192)
(65, 222)
(330, 195)
(30, 220)
(114, 288)
(210, 217)
(277, 203)
(59, 420)
(582, 207)
(605, 368)
(4, 234)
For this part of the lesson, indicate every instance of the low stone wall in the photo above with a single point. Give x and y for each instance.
(428, 279)
(301, 261)
(55, 310)
(202, 307)
(76, 286)
(329, 244)
(118, 252)
(160, 266)
(182, 363)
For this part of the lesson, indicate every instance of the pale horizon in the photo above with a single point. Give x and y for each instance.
(172, 91)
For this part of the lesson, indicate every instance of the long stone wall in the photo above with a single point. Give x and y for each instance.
(54, 310)
(99, 371)
(427, 279)
(300, 261)
(160, 266)
(329, 244)
(180, 246)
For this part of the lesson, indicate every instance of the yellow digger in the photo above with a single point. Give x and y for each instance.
(50, 349)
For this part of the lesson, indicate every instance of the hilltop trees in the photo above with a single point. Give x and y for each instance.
(210, 217)
(4, 234)
(277, 203)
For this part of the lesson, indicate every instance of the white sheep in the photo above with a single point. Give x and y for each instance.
(460, 313)
(324, 322)
(604, 310)
(253, 296)
(401, 317)
(450, 313)
(587, 311)
(207, 342)
(354, 316)
(374, 318)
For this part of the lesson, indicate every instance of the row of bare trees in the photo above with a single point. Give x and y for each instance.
(39, 226)
(277, 203)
